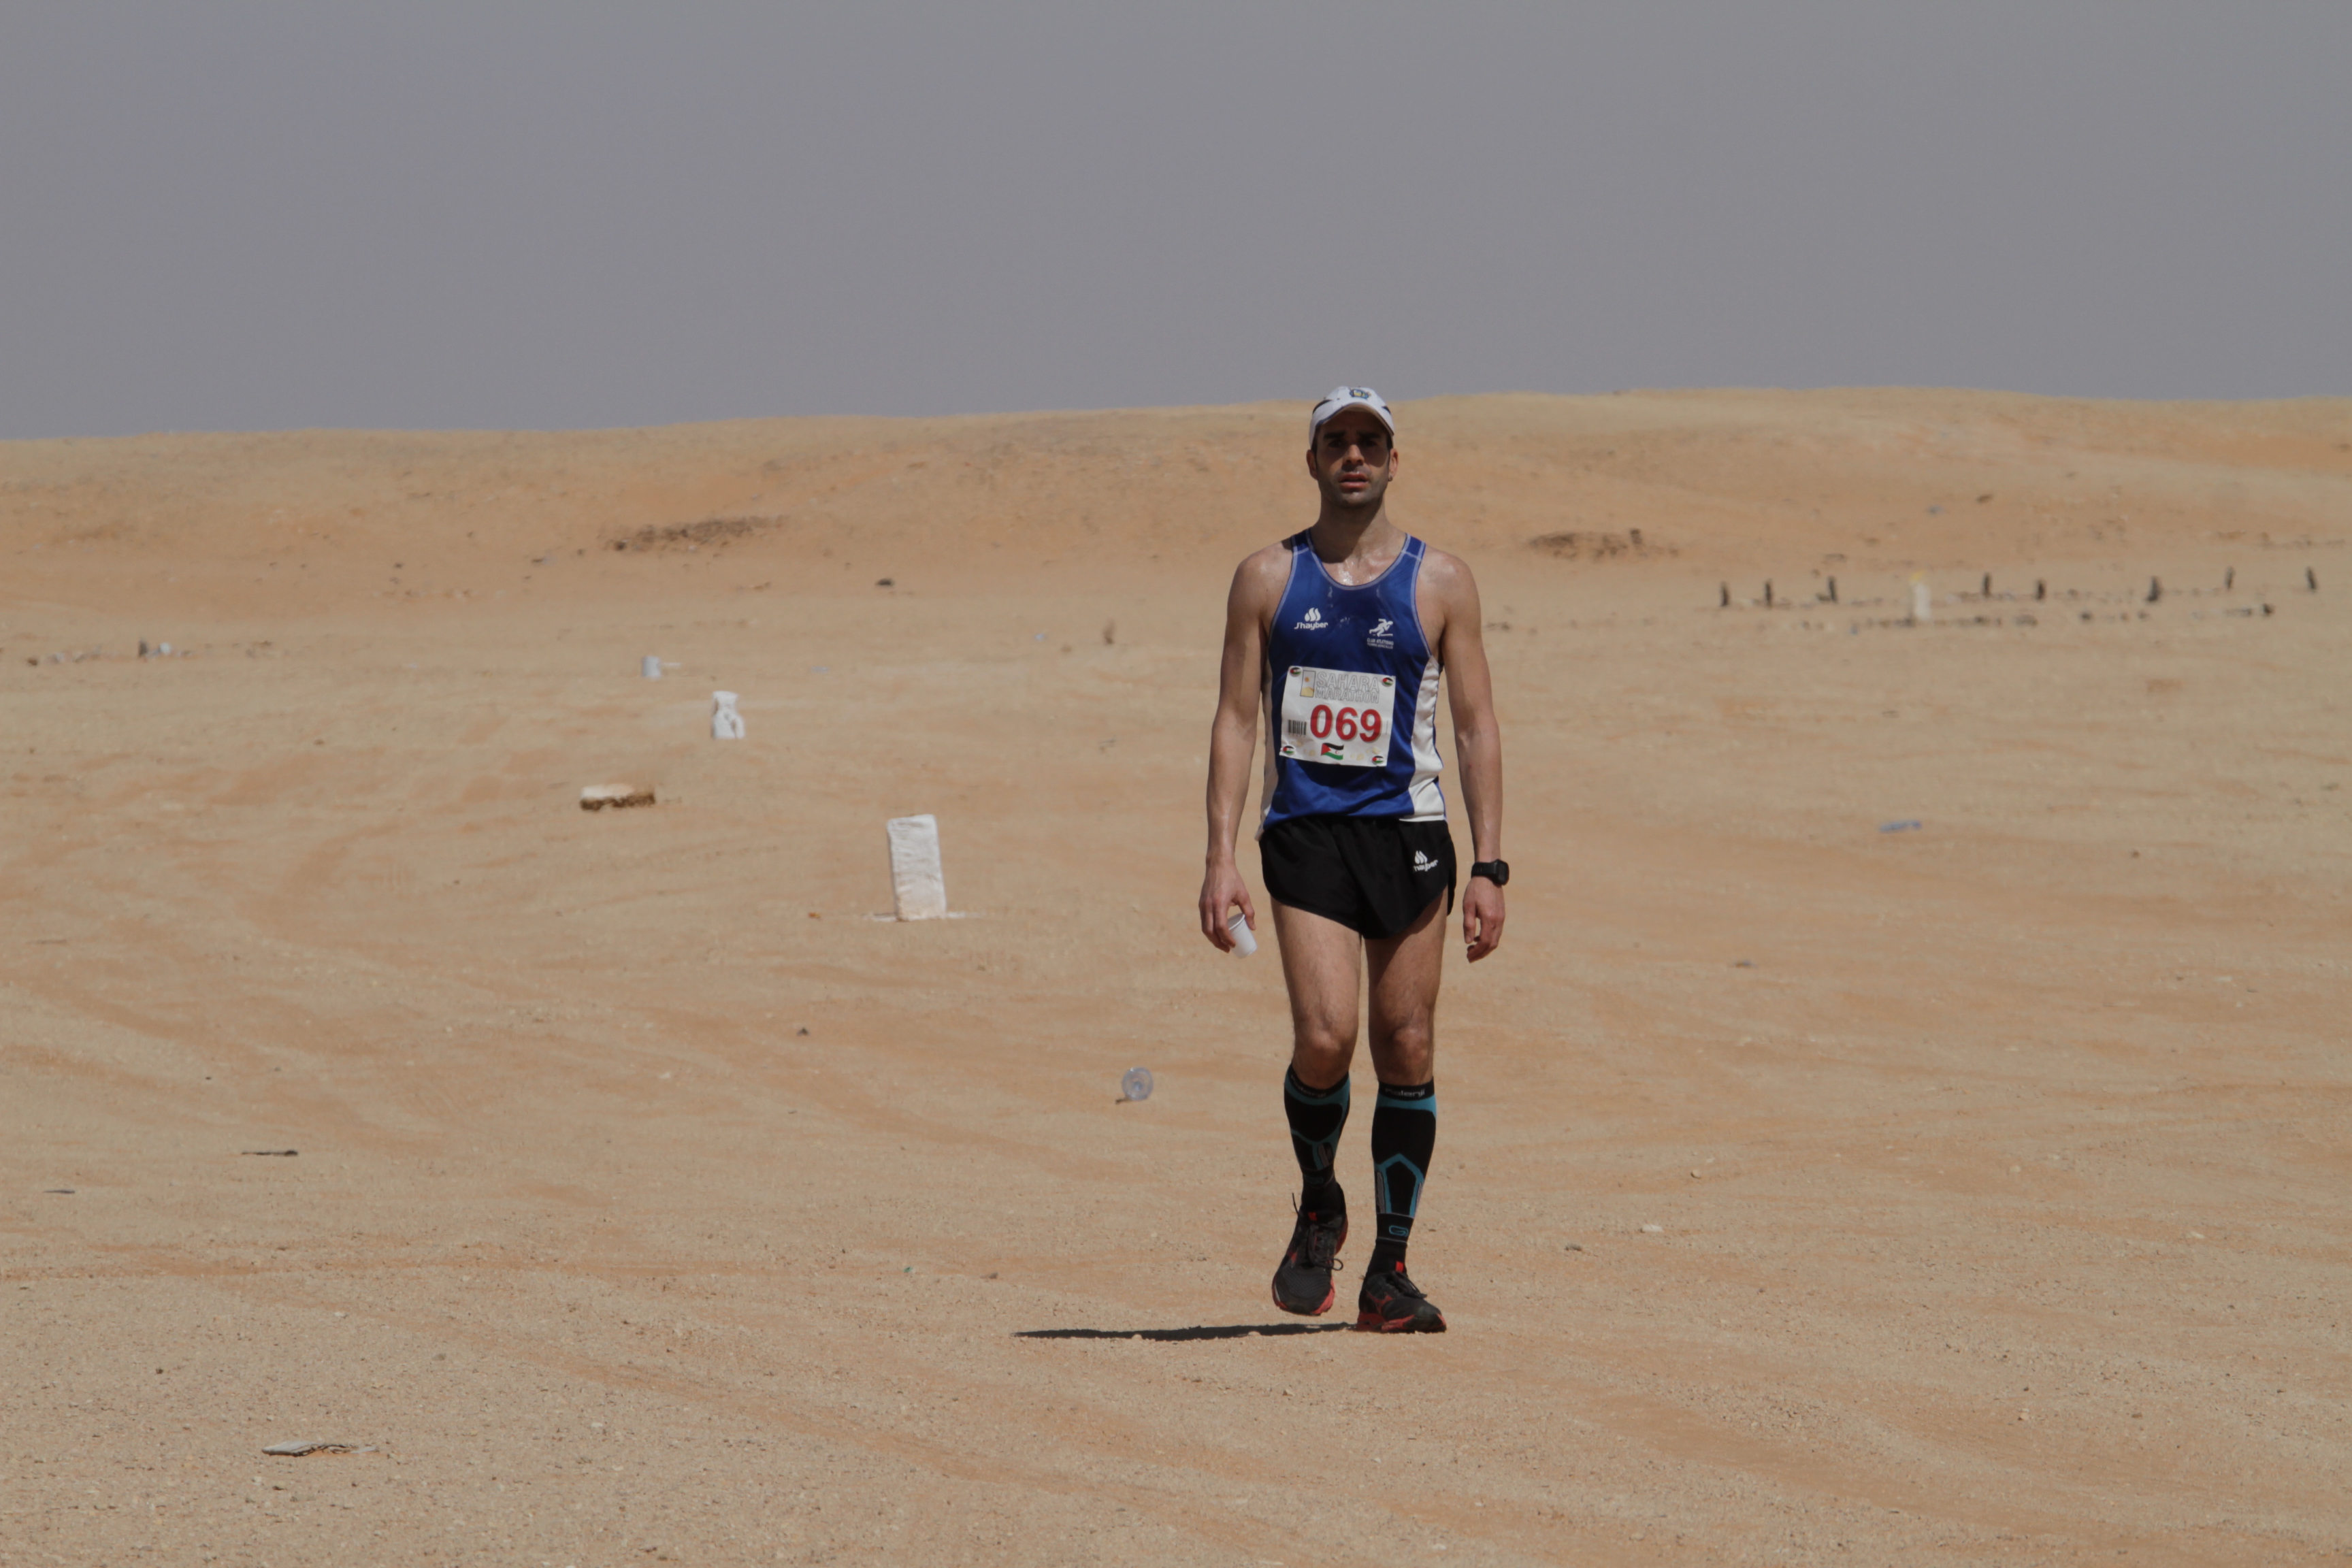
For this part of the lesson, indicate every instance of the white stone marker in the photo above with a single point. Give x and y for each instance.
(918, 890)
(652, 666)
(726, 724)
(1923, 603)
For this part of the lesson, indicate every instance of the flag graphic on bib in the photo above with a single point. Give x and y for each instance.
(1337, 716)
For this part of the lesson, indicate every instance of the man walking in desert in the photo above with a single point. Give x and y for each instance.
(1341, 631)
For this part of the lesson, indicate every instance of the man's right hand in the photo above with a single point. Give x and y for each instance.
(1221, 890)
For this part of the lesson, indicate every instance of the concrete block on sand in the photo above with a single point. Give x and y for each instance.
(918, 890)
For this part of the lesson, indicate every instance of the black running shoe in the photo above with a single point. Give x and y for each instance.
(1392, 1304)
(1302, 1282)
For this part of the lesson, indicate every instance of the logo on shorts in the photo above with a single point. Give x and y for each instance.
(1378, 635)
(1421, 862)
(1310, 622)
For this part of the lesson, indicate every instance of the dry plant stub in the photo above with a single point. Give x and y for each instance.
(596, 797)
(918, 890)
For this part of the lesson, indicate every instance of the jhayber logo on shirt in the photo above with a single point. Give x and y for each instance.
(1312, 621)
(1421, 862)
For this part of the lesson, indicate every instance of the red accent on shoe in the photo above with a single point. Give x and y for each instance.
(1299, 1235)
(1389, 1310)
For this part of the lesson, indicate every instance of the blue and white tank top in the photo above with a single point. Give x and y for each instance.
(1351, 696)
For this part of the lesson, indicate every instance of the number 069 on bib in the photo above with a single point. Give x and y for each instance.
(1339, 717)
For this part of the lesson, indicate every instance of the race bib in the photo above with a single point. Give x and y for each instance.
(1337, 716)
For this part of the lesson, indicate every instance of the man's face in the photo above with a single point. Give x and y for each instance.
(1353, 460)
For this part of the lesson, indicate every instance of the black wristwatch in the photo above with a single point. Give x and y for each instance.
(1495, 872)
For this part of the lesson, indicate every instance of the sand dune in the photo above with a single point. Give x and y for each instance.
(652, 1203)
(1737, 480)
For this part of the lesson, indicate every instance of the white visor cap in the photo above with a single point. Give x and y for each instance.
(1340, 398)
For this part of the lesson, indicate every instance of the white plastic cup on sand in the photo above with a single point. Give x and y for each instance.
(1244, 939)
(653, 667)
(1135, 1083)
(726, 724)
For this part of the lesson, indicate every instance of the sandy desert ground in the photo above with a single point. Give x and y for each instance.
(1806, 1193)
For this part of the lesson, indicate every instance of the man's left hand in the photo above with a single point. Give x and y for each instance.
(1482, 917)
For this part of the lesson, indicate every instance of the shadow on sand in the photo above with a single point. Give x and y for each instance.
(1179, 1336)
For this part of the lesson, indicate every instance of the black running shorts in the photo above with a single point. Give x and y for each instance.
(1372, 874)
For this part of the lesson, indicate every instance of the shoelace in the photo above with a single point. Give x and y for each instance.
(1322, 1243)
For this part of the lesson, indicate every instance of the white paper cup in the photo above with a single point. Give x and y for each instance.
(1244, 939)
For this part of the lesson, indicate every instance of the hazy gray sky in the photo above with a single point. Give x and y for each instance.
(555, 214)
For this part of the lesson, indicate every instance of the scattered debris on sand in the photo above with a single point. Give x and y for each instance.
(1583, 545)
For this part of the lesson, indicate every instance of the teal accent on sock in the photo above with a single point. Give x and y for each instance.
(1404, 1135)
(1317, 1118)
(1384, 1191)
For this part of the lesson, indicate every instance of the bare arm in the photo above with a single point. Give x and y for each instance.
(1233, 737)
(1477, 740)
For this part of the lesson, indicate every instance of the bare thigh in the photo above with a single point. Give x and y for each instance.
(1323, 967)
(1406, 969)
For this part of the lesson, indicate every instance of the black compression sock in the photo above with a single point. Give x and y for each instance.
(1404, 1131)
(1315, 1115)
